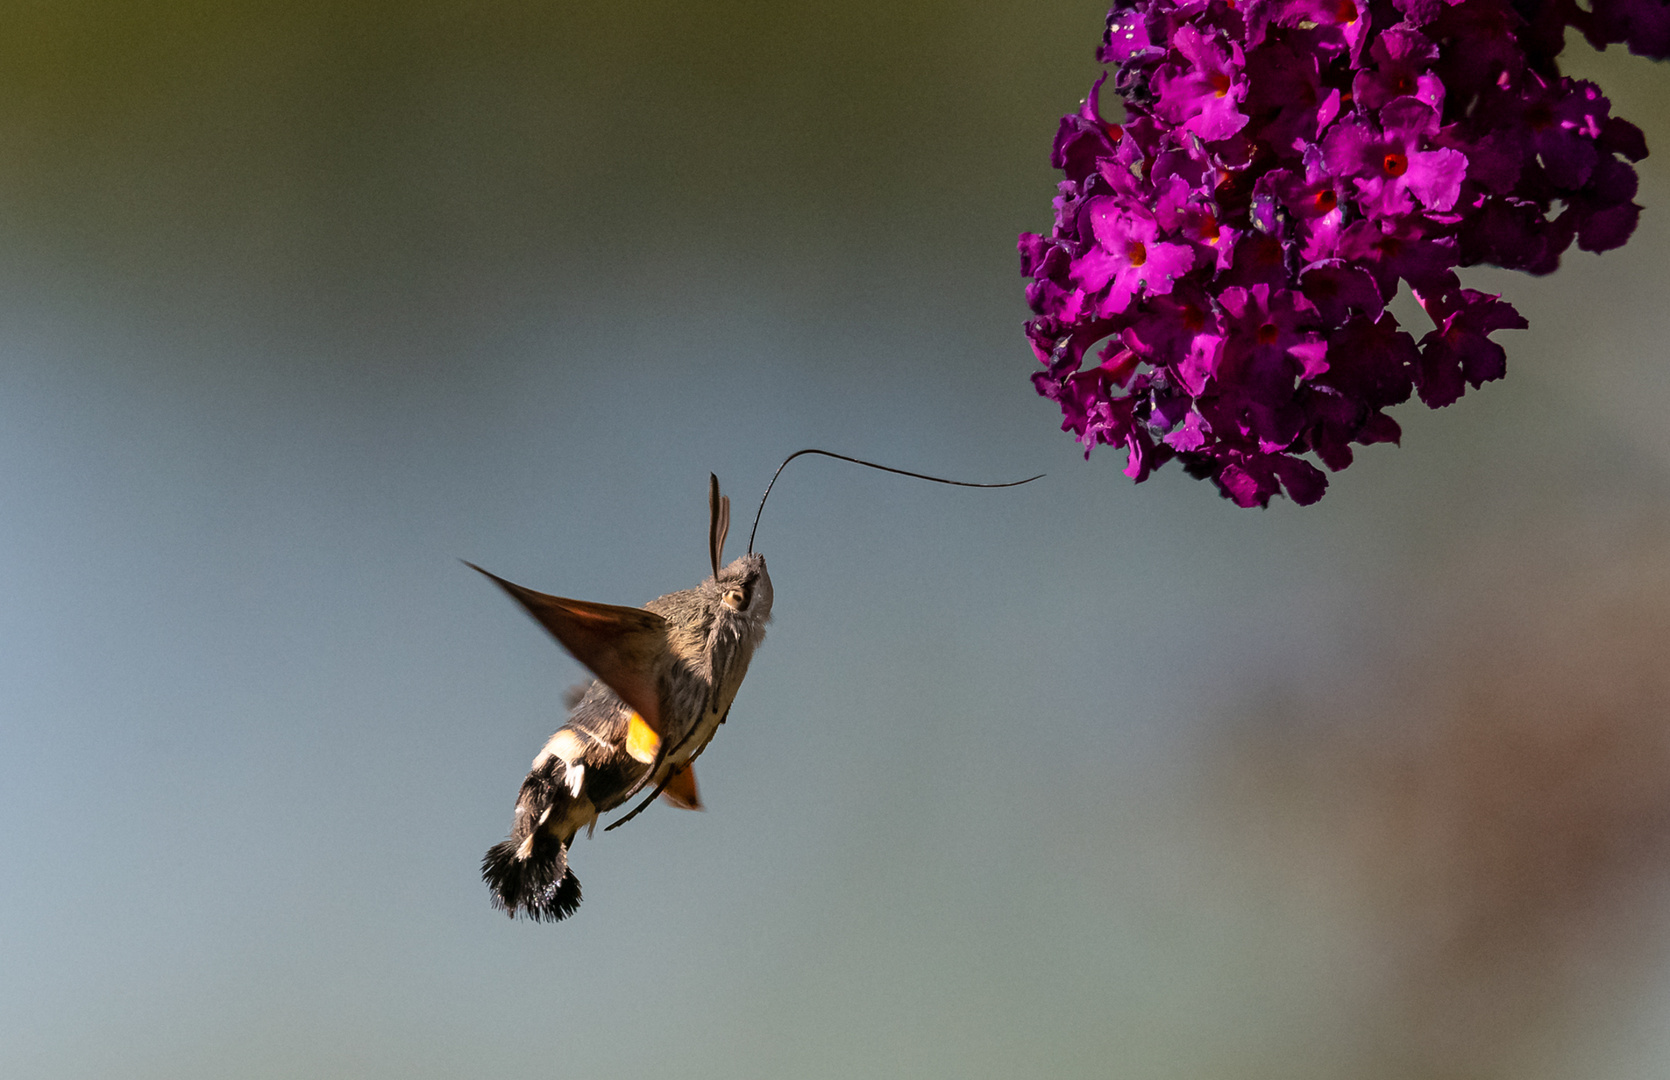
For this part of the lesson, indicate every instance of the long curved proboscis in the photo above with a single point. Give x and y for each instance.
(869, 464)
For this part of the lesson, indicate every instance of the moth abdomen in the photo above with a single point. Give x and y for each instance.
(528, 873)
(583, 770)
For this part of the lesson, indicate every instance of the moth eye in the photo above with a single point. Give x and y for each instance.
(737, 599)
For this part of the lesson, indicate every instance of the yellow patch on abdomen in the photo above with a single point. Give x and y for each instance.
(641, 742)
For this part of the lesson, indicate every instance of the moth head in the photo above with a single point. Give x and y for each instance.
(745, 588)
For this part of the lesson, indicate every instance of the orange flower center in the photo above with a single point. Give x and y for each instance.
(1220, 84)
(1395, 165)
(1346, 11)
(1137, 253)
(1326, 200)
(1267, 334)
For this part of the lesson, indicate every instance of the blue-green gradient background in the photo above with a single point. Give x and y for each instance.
(302, 302)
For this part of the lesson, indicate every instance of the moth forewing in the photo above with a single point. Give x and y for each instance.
(625, 647)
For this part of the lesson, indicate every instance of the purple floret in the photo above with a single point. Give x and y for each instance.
(1642, 25)
(1214, 286)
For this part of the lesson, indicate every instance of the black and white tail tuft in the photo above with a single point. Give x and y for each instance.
(529, 873)
(540, 886)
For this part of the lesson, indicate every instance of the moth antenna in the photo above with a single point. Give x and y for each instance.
(724, 530)
(870, 464)
(716, 528)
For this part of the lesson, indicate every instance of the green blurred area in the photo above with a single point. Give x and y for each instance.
(349, 137)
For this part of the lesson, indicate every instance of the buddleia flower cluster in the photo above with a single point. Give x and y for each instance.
(1216, 283)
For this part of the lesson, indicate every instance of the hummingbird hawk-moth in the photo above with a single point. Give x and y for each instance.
(666, 674)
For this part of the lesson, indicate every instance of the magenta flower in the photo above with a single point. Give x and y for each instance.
(1460, 348)
(1402, 68)
(1200, 94)
(1214, 286)
(1387, 164)
(1127, 258)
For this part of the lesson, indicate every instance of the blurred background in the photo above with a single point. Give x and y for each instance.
(302, 302)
